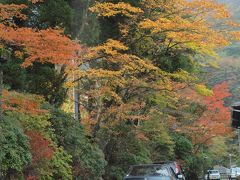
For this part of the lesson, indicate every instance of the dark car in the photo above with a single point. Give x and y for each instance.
(175, 167)
(150, 172)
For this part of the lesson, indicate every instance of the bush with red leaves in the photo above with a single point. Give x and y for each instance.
(40, 148)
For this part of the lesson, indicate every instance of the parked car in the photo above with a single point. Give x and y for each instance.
(234, 173)
(176, 168)
(213, 175)
(151, 172)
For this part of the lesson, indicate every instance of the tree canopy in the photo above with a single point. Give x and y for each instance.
(135, 69)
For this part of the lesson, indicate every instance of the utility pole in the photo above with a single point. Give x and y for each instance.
(230, 161)
(204, 161)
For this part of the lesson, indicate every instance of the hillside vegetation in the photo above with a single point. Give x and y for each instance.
(92, 87)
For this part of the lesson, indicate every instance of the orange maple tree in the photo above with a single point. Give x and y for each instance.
(44, 46)
(214, 120)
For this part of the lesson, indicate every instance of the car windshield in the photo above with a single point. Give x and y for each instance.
(153, 170)
(214, 172)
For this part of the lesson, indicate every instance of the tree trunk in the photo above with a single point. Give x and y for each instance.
(76, 107)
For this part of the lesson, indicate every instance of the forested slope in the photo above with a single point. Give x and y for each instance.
(132, 72)
(234, 8)
(233, 5)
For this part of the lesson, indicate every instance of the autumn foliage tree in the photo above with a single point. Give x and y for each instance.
(114, 82)
(176, 29)
(167, 32)
(132, 86)
(40, 148)
(213, 120)
(44, 46)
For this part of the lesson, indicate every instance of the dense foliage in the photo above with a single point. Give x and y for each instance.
(134, 68)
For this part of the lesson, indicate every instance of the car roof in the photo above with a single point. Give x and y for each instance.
(147, 165)
(164, 162)
(215, 170)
